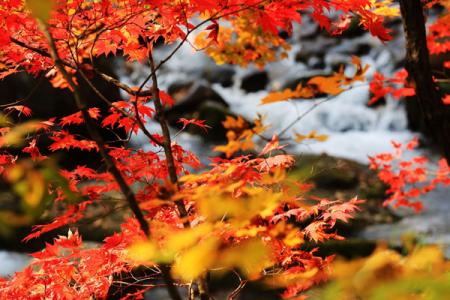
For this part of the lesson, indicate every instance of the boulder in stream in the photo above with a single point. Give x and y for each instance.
(198, 100)
(255, 81)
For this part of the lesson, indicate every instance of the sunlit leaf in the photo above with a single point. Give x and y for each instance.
(195, 261)
(40, 9)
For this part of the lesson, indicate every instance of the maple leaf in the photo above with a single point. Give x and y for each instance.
(273, 144)
(65, 140)
(328, 85)
(342, 211)
(199, 123)
(213, 31)
(75, 118)
(111, 120)
(72, 214)
(446, 99)
(385, 8)
(300, 92)
(377, 29)
(310, 136)
(316, 231)
(166, 99)
(26, 111)
(94, 112)
(283, 160)
(380, 86)
(33, 150)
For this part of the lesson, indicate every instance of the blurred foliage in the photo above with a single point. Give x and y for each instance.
(423, 274)
(29, 187)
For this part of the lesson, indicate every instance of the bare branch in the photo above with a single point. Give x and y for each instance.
(167, 144)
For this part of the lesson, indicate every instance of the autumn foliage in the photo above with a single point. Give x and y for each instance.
(242, 213)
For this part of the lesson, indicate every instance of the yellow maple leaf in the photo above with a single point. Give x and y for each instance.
(278, 96)
(217, 202)
(329, 85)
(196, 260)
(142, 252)
(187, 237)
(385, 8)
(234, 123)
(311, 136)
(251, 257)
(300, 92)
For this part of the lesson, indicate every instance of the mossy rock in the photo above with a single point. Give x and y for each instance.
(327, 172)
(213, 115)
(342, 179)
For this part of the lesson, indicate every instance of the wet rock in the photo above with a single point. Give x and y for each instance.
(178, 90)
(362, 49)
(189, 96)
(316, 63)
(255, 81)
(219, 74)
(304, 56)
(329, 172)
(284, 35)
(198, 100)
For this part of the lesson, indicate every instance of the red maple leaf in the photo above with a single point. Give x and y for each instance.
(199, 123)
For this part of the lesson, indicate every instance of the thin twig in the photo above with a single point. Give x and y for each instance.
(300, 117)
(314, 106)
(239, 288)
(123, 112)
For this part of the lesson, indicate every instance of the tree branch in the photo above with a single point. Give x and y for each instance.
(123, 86)
(125, 113)
(167, 143)
(95, 135)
